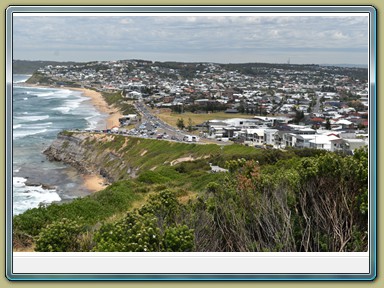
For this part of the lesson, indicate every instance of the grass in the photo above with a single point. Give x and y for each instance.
(116, 99)
(171, 118)
(186, 179)
(131, 153)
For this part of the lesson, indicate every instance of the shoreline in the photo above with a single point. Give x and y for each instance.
(97, 101)
(93, 182)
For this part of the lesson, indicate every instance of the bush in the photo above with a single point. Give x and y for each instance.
(140, 233)
(59, 236)
(151, 177)
(178, 239)
(134, 233)
(164, 206)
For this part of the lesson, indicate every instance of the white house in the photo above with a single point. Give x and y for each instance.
(322, 142)
(269, 136)
(347, 145)
(128, 119)
(255, 136)
(303, 141)
(133, 95)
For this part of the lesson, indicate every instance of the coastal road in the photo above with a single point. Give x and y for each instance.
(153, 122)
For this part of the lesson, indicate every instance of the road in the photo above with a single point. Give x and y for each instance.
(316, 108)
(153, 127)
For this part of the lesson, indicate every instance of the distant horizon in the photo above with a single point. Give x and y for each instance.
(356, 65)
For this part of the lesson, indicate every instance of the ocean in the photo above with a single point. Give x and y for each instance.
(39, 114)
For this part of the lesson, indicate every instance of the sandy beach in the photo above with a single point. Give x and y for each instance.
(95, 182)
(99, 103)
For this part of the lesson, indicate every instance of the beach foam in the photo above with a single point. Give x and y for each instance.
(32, 118)
(24, 133)
(36, 123)
(28, 197)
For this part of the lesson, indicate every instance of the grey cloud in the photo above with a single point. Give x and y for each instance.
(190, 34)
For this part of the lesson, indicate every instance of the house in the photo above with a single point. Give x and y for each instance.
(303, 141)
(231, 132)
(322, 142)
(133, 95)
(128, 119)
(345, 124)
(269, 136)
(347, 145)
(255, 136)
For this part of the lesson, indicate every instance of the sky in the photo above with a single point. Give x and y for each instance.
(193, 38)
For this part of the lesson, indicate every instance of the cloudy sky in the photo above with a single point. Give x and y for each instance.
(193, 37)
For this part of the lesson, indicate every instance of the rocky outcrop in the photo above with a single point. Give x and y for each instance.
(82, 151)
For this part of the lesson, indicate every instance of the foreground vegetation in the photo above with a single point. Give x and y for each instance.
(269, 200)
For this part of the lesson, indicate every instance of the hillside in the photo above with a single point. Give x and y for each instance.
(118, 157)
(29, 67)
(164, 197)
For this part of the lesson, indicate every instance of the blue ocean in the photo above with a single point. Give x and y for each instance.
(39, 114)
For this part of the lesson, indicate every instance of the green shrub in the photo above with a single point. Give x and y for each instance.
(178, 239)
(67, 133)
(141, 233)
(163, 205)
(134, 233)
(151, 177)
(59, 236)
(213, 187)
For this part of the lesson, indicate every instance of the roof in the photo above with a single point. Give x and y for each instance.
(317, 119)
(305, 136)
(255, 131)
(323, 139)
(343, 122)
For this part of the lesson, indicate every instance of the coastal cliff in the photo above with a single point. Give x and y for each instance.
(117, 157)
(84, 151)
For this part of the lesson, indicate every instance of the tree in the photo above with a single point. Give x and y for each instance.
(180, 123)
(190, 125)
(310, 204)
(299, 116)
(328, 124)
